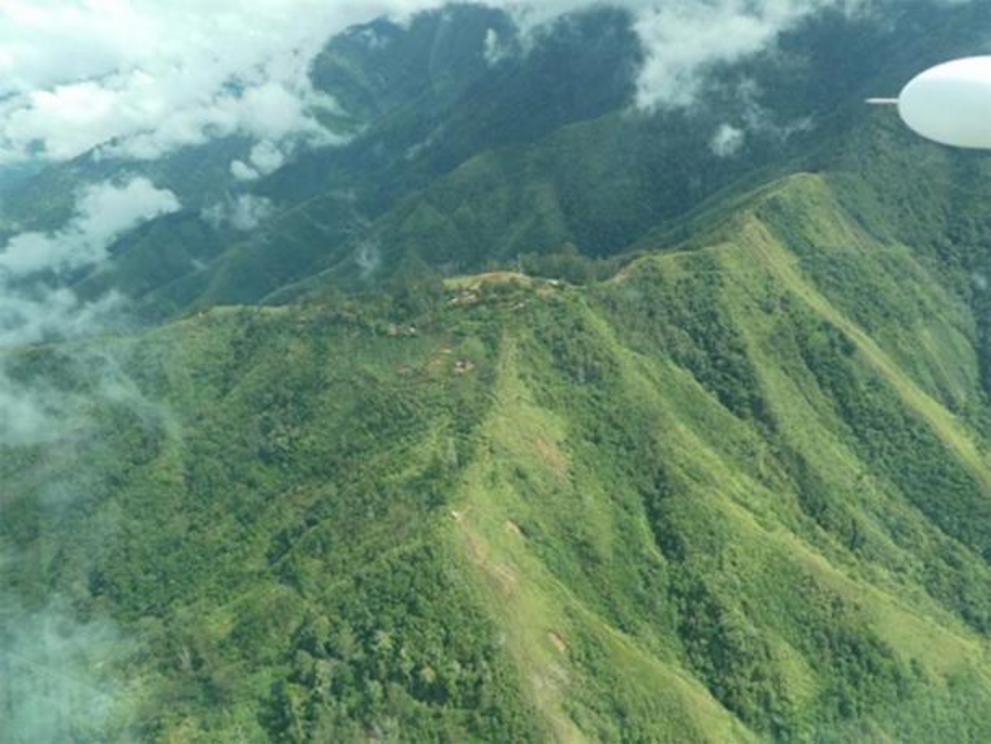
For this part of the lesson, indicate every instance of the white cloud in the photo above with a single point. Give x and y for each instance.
(727, 141)
(33, 310)
(683, 37)
(31, 414)
(244, 213)
(368, 257)
(266, 157)
(758, 120)
(26, 415)
(244, 172)
(143, 77)
(103, 213)
(495, 50)
(40, 312)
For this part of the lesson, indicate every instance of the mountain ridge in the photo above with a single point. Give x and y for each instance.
(654, 489)
(571, 431)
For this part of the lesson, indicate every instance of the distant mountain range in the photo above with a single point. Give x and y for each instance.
(462, 161)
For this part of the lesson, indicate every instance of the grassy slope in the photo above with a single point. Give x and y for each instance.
(716, 498)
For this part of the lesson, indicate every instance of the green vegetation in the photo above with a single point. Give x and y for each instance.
(715, 497)
(703, 456)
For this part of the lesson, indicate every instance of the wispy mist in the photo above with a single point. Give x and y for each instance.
(56, 677)
(243, 213)
(59, 673)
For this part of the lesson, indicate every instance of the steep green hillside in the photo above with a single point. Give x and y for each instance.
(739, 491)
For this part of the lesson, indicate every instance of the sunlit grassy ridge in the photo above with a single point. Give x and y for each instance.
(738, 492)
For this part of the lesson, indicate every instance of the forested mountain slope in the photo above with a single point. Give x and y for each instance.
(519, 412)
(738, 491)
(453, 157)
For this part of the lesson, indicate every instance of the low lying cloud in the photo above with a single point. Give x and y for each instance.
(752, 119)
(684, 37)
(35, 305)
(31, 413)
(368, 257)
(103, 214)
(37, 311)
(26, 416)
(727, 141)
(141, 78)
(496, 49)
(60, 677)
(266, 157)
(244, 213)
(51, 685)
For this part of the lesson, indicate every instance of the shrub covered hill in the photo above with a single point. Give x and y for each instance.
(725, 477)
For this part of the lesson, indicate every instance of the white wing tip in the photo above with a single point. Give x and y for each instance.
(882, 101)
